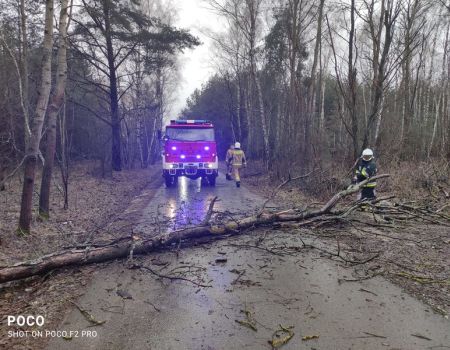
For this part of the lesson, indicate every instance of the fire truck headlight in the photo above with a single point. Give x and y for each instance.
(198, 156)
(182, 156)
(206, 148)
(207, 165)
(174, 148)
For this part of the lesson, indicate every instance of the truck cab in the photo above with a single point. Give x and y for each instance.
(189, 149)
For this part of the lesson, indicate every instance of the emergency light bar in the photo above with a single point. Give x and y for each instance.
(190, 121)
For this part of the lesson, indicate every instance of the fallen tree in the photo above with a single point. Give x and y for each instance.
(132, 245)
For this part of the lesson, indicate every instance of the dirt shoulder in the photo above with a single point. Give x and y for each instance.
(99, 208)
(413, 252)
(94, 204)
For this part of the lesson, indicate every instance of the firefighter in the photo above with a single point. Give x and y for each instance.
(366, 168)
(228, 163)
(237, 161)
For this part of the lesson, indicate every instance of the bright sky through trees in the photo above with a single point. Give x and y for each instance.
(196, 65)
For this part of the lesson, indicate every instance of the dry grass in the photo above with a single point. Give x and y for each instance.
(419, 181)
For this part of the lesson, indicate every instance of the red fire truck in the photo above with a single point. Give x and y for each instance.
(189, 149)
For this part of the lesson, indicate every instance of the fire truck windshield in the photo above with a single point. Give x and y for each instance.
(190, 134)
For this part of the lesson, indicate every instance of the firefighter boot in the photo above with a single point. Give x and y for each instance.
(228, 176)
(238, 184)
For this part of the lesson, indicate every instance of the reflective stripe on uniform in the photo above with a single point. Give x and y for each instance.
(238, 157)
(364, 172)
(370, 185)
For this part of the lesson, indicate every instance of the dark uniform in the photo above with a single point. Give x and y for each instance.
(364, 170)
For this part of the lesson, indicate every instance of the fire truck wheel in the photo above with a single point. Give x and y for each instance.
(170, 181)
(204, 181)
(212, 180)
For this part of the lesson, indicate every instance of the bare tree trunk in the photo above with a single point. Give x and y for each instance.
(378, 118)
(312, 87)
(37, 123)
(352, 82)
(435, 124)
(248, 115)
(65, 144)
(24, 71)
(53, 110)
(238, 107)
(116, 150)
(263, 123)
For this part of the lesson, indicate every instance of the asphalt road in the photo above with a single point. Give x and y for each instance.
(301, 291)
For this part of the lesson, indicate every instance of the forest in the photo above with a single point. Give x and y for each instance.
(109, 221)
(298, 82)
(304, 82)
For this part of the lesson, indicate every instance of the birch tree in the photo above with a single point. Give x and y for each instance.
(53, 110)
(32, 152)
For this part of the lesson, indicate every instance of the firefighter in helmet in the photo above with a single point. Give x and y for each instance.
(228, 163)
(237, 161)
(365, 169)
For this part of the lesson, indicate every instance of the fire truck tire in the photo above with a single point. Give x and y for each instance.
(204, 181)
(212, 180)
(171, 181)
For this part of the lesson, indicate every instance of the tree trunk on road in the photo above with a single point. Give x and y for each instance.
(123, 247)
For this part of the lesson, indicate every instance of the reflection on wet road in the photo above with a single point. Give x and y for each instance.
(187, 204)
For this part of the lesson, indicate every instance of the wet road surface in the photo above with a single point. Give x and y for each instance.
(300, 290)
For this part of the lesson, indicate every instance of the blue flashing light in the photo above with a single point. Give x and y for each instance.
(191, 121)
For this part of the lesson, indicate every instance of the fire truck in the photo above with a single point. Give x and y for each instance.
(189, 149)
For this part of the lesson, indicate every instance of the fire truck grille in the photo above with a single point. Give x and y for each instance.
(190, 170)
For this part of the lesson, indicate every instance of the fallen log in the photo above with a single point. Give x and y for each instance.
(125, 246)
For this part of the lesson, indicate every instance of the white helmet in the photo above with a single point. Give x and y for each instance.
(367, 153)
(237, 145)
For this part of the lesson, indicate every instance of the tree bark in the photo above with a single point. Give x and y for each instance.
(116, 148)
(37, 123)
(53, 111)
(352, 83)
(24, 72)
(313, 84)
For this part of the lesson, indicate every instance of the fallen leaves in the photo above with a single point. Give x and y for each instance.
(88, 315)
(281, 336)
(310, 337)
(249, 321)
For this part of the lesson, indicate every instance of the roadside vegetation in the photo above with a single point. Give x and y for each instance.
(303, 85)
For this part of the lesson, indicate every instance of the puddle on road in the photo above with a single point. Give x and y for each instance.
(187, 204)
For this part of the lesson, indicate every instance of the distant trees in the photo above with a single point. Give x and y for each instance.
(338, 77)
(107, 33)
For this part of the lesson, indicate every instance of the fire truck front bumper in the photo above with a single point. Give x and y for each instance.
(192, 170)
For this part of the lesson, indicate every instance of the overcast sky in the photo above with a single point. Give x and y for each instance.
(195, 63)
